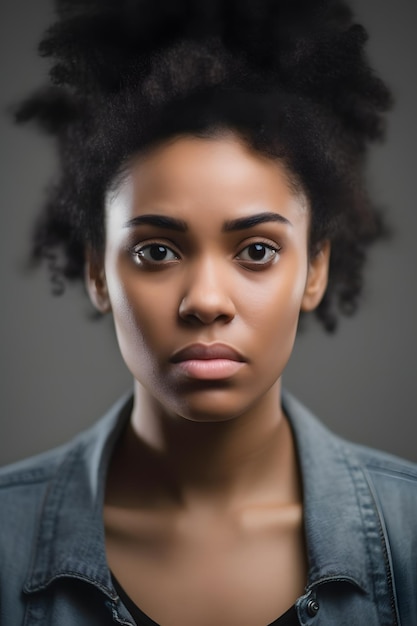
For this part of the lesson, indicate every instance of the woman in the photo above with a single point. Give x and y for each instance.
(211, 192)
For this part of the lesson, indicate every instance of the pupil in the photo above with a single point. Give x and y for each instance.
(158, 253)
(257, 251)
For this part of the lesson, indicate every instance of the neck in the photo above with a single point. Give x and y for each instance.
(233, 461)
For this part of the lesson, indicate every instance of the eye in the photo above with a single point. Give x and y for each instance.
(154, 254)
(258, 253)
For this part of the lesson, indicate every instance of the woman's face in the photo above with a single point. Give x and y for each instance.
(206, 269)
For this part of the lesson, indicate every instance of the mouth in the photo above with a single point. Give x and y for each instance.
(206, 352)
(215, 361)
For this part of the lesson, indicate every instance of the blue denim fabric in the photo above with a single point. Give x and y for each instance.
(360, 526)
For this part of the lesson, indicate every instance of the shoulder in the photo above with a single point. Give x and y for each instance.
(32, 474)
(29, 477)
(23, 489)
(379, 463)
(28, 486)
(393, 480)
(377, 489)
(48, 504)
(33, 469)
(393, 483)
(31, 488)
(312, 434)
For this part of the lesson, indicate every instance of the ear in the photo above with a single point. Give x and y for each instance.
(95, 281)
(317, 277)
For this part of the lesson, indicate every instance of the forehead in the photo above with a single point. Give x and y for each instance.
(189, 176)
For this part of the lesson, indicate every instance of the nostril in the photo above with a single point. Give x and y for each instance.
(206, 310)
(206, 295)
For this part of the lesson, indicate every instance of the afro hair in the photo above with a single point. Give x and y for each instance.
(290, 77)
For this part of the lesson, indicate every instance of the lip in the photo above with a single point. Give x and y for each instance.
(207, 352)
(207, 361)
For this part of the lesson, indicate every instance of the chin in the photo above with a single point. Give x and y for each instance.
(214, 406)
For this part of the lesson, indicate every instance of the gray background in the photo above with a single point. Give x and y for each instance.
(60, 370)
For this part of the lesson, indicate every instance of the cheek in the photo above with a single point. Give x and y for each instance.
(277, 302)
(273, 313)
(141, 314)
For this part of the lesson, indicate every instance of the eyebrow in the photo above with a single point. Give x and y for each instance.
(160, 221)
(252, 220)
(241, 223)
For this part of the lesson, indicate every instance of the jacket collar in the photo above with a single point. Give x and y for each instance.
(342, 526)
(338, 510)
(70, 540)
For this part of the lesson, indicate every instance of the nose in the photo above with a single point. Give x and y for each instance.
(206, 298)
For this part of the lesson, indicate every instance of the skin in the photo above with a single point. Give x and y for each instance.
(204, 505)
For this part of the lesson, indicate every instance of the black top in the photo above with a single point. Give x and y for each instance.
(289, 618)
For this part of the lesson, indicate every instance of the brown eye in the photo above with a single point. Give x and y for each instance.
(155, 253)
(258, 253)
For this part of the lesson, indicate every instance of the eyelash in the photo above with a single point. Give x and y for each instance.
(139, 251)
(259, 264)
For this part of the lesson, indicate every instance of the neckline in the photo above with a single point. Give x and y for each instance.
(289, 618)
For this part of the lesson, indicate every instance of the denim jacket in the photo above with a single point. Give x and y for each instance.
(360, 516)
